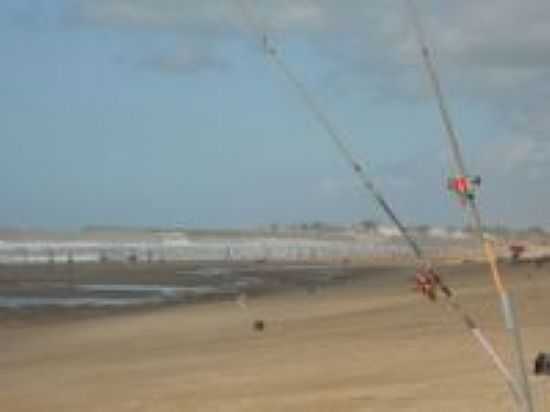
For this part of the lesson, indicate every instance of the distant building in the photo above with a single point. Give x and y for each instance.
(388, 231)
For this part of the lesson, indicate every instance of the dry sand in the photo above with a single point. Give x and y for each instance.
(355, 347)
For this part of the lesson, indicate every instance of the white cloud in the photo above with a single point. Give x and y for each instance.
(496, 53)
(208, 16)
(493, 47)
(158, 14)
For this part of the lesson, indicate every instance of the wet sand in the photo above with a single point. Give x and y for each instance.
(366, 344)
(38, 292)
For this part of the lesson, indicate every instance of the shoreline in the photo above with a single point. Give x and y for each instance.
(367, 344)
(65, 282)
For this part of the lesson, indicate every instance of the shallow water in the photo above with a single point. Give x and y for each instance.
(99, 285)
(182, 249)
(102, 295)
(23, 302)
(162, 290)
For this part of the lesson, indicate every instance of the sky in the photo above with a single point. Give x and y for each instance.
(167, 112)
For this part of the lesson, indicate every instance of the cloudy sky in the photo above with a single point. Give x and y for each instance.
(163, 112)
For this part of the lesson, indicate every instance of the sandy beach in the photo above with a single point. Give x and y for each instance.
(366, 344)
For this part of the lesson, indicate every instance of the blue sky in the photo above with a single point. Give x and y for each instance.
(166, 112)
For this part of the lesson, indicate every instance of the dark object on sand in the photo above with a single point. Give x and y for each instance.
(259, 325)
(542, 364)
(540, 261)
(516, 251)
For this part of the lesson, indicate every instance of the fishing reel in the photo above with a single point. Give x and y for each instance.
(464, 186)
(428, 283)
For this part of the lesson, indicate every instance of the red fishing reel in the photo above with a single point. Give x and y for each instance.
(464, 186)
(428, 282)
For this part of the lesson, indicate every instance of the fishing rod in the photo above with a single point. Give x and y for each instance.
(427, 280)
(464, 186)
(270, 50)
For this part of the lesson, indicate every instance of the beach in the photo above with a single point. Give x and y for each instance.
(366, 342)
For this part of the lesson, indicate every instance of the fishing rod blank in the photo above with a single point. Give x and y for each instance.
(506, 302)
(331, 130)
